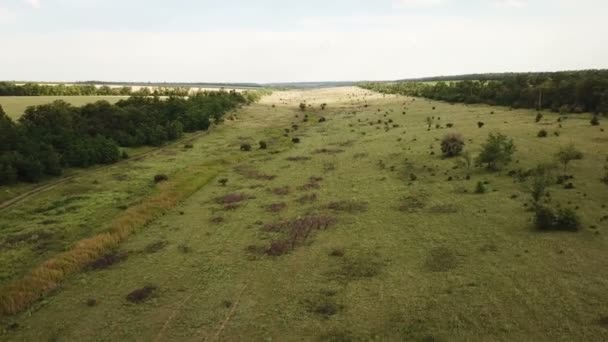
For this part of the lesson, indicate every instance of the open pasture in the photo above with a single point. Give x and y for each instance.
(349, 225)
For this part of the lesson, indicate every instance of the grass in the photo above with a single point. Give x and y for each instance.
(14, 106)
(423, 259)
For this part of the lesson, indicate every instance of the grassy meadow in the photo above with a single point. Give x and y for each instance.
(14, 106)
(359, 231)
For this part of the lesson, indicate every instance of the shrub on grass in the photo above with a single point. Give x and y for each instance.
(452, 144)
(480, 188)
(542, 133)
(160, 178)
(595, 121)
(565, 219)
(295, 140)
(141, 295)
(263, 145)
(480, 124)
(223, 181)
(302, 106)
(188, 146)
(539, 117)
(568, 153)
(245, 147)
(496, 152)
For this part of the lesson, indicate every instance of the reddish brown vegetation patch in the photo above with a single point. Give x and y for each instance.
(108, 260)
(348, 206)
(251, 173)
(232, 198)
(297, 231)
(307, 199)
(313, 183)
(217, 220)
(328, 151)
(276, 207)
(298, 158)
(281, 191)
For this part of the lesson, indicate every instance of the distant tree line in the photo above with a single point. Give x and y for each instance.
(48, 138)
(35, 89)
(569, 91)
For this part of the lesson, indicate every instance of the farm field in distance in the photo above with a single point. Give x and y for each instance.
(14, 106)
(350, 225)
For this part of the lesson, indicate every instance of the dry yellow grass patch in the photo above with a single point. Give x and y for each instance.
(23, 292)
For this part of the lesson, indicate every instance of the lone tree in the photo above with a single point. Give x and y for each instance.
(452, 144)
(496, 152)
(568, 153)
(302, 106)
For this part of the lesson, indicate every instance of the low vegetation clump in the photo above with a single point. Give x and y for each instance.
(232, 198)
(246, 147)
(251, 173)
(156, 246)
(276, 207)
(452, 144)
(348, 206)
(160, 178)
(568, 153)
(497, 152)
(595, 121)
(542, 133)
(142, 294)
(108, 259)
(480, 188)
(546, 218)
(263, 145)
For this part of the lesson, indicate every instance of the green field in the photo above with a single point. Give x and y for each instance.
(379, 255)
(14, 106)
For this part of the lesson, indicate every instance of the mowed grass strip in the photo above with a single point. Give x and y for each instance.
(23, 292)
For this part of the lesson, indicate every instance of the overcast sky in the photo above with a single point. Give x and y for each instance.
(283, 40)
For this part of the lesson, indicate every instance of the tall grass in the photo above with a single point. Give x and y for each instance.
(46, 277)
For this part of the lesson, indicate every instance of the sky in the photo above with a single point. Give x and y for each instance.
(295, 41)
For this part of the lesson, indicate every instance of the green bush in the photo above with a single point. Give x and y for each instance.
(452, 144)
(496, 152)
(565, 219)
(480, 188)
(542, 133)
(595, 121)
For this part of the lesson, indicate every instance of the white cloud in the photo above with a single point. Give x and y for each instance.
(33, 3)
(404, 46)
(6, 16)
(510, 4)
(416, 3)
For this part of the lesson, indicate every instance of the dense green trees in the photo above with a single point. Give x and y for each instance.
(35, 89)
(49, 137)
(571, 91)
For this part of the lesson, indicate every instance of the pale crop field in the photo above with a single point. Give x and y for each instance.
(14, 106)
(387, 239)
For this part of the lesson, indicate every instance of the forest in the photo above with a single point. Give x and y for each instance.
(84, 89)
(564, 92)
(51, 137)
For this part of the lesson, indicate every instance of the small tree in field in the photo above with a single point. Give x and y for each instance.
(568, 153)
(452, 144)
(302, 106)
(496, 152)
